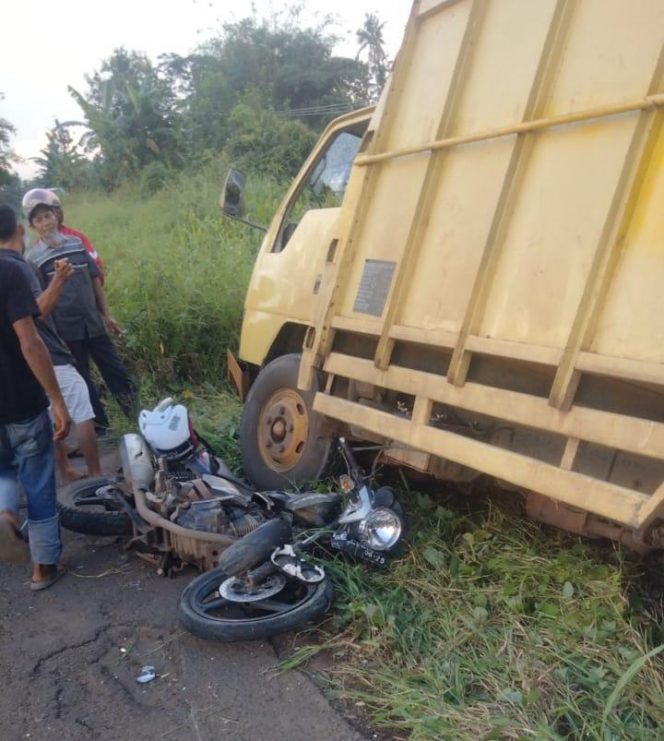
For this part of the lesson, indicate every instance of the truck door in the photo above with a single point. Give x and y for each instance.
(287, 274)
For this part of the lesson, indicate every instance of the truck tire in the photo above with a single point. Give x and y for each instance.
(282, 440)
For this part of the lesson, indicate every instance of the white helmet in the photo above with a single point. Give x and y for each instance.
(55, 200)
(167, 431)
(39, 197)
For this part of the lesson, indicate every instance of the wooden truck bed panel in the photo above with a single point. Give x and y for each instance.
(501, 251)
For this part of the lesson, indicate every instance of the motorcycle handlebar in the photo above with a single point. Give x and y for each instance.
(354, 470)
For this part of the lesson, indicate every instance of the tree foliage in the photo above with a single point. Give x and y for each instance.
(258, 92)
(285, 69)
(61, 161)
(262, 141)
(131, 117)
(291, 67)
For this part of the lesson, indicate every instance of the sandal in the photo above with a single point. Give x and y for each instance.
(57, 573)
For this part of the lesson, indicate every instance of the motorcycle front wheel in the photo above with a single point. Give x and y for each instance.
(206, 614)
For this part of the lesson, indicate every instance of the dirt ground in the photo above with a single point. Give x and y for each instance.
(70, 657)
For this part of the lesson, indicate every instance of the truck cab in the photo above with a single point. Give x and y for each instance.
(470, 275)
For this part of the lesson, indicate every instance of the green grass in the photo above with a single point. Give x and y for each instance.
(488, 626)
(491, 626)
(177, 271)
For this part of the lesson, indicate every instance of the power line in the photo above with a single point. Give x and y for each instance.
(318, 110)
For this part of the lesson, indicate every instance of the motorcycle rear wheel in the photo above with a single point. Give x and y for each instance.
(82, 511)
(206, 614)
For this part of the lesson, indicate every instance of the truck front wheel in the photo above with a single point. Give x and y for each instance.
(282, 440)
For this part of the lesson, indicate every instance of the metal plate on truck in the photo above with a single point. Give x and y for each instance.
(374, 287)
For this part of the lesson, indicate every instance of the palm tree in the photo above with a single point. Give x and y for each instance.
(370, 39)
(129, 117)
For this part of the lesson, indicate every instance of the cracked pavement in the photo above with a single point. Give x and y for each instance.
(70, 656)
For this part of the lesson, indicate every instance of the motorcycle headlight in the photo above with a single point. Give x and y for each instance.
(381, 529)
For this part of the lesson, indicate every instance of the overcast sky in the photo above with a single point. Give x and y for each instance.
(48, 46)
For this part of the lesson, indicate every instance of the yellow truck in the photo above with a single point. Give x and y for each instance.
(472, 273)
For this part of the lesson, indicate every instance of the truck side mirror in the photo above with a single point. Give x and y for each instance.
(232, 196)
(232, 199)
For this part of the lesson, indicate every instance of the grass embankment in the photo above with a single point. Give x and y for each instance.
(489, 626)
(492, 626)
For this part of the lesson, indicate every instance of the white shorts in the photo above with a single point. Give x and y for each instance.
(75, 393)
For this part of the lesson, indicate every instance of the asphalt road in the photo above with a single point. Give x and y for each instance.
(70, 656)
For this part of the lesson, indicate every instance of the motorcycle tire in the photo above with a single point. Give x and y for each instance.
(203, 612)
(81, 513)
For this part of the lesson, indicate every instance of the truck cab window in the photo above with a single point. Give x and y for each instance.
(325, 186)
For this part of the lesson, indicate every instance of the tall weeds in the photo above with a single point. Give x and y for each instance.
(177, 271)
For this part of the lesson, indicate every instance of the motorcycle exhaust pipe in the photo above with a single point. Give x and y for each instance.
(139, 473)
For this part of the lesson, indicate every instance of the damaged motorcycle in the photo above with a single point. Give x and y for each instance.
(264, 583)
(177, 503)
(174, 499)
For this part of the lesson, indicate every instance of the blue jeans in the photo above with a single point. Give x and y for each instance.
(26, 455)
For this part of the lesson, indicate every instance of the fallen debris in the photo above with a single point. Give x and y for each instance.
(148, 673)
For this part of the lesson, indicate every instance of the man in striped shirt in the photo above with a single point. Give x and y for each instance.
(81, 315)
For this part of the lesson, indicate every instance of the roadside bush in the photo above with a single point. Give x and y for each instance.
(153, 178)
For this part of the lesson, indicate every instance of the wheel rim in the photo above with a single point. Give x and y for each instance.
(234, 589)
(283, 428)
(97, 498)
(208, 603)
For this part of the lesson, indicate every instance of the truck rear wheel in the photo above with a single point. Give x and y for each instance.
(282, 440)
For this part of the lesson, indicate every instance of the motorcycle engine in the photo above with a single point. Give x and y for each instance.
(216, 516)
(207, 515)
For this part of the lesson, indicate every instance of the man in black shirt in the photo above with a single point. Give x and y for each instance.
(71, 383)
(26, 433)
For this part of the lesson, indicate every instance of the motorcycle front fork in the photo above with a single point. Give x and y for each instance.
(260, 574)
